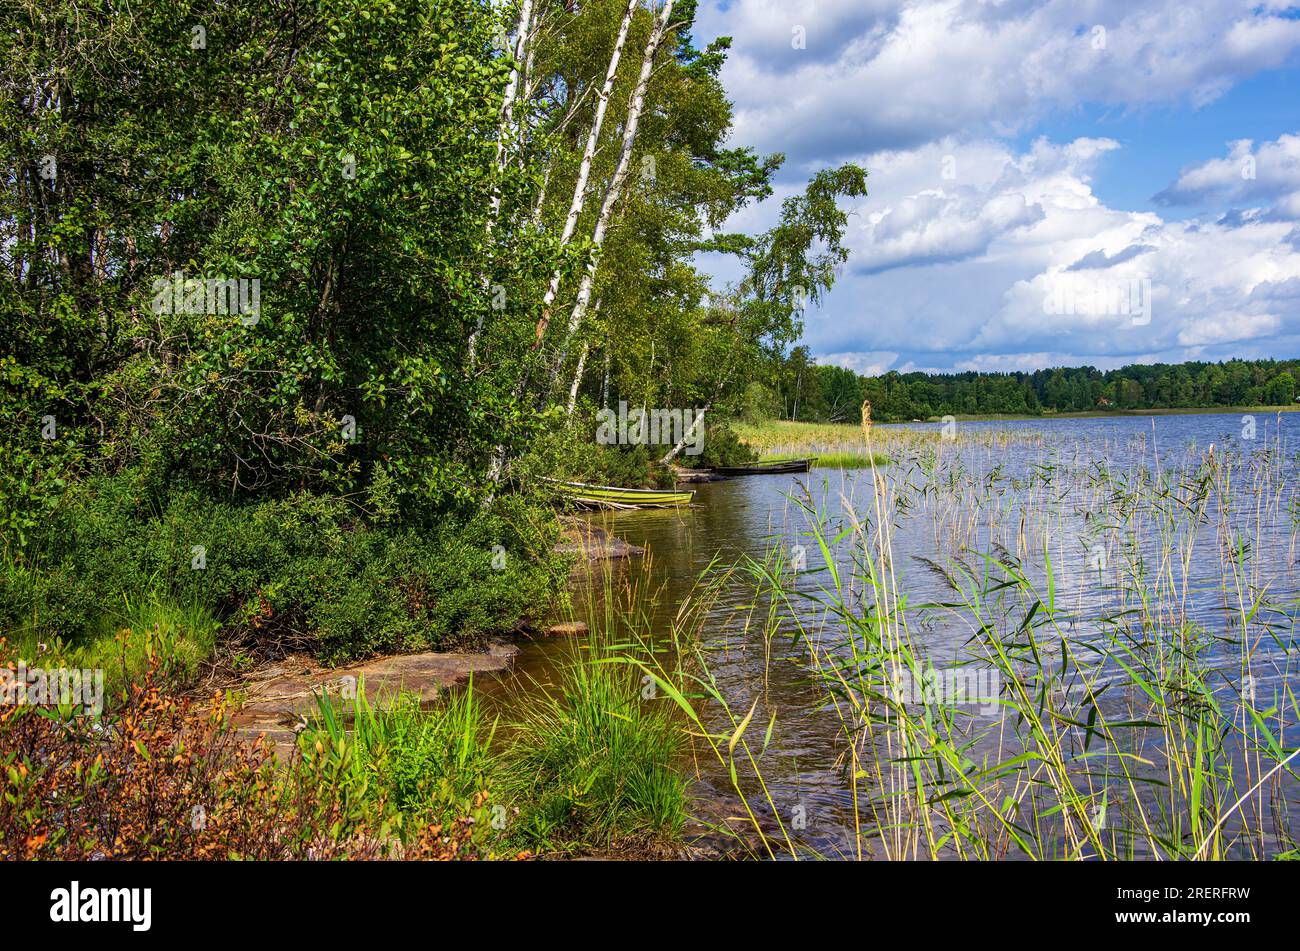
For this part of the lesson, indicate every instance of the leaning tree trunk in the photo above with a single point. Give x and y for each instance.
(615, 190)
(577, 380)
(579, 200)
(686, 436)
(577, 373)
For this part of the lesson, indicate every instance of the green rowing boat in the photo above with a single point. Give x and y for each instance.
(615, 497)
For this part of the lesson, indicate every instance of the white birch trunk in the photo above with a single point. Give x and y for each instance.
(582, 365)
(522, 31)
(686, 436)
(578, 202)
(577, 380)
(615, 190)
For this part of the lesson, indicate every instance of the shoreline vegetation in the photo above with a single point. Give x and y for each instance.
(449, 762)
(843, 445)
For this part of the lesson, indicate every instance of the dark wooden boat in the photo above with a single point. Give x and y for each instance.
(695, 475)
(766, 468)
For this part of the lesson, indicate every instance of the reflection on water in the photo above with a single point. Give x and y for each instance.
(1105, 500)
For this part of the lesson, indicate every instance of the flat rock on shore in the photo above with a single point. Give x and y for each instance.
(281, 695)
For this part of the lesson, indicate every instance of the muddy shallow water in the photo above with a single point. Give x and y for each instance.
(1012, 489)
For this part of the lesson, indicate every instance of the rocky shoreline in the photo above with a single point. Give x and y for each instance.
(282, 695)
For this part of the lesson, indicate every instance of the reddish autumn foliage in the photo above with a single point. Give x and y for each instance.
(167, 778)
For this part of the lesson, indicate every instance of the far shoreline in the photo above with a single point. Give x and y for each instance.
(1103, 413)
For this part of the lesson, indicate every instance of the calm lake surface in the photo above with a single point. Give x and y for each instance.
(1101, 498)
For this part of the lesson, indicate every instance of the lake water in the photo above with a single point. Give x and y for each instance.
(1104, 500)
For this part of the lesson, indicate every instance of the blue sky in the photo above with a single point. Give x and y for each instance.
(1159, 142)
(1025, 152)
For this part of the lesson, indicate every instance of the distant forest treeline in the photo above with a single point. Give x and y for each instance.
(811, 392)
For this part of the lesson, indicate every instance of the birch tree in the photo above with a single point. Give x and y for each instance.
(521, 52)
(576, 206)
(578, 371)
(578, 202)
(577, 380)
(615, 189)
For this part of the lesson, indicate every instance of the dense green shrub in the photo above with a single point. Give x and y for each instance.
(354, 584)
(633, 466)
(722, 447)
(630, 466)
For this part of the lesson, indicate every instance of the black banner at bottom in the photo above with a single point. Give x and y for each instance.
(142, 901)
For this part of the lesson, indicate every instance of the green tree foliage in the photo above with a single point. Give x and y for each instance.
(793, 265)
(314, 425)
(340, 155)
(244, 249)
(841, 393)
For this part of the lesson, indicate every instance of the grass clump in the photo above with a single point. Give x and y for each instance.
(833, 460)
(594, 765)
(598, 761)
(433, 761)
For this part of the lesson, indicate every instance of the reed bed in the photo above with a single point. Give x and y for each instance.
(1133, 613)
(836, 445)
